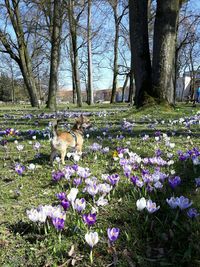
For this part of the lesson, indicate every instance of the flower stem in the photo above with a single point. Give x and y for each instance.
(91, 257)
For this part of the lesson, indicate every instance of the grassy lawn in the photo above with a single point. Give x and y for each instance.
(128, 155)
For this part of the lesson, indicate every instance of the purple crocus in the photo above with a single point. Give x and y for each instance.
(158, 153)
(174, 181)
(3, 142)
(113, 178)
(61, 195)
(19, 168)
(58, 223)
(172, 202)
(192, 213)
(89, 219)
(113, 234)
(65, 204)
(151, 206)
(197, 181)
(183, 202)
(57, 176)
(134, 179)
(77, 181)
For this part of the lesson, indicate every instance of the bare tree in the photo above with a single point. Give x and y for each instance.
(90, 99)
(55, 54)
(19, 52)
(73, 25)
(117, 19)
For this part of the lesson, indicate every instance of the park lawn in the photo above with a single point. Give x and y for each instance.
(166, 237)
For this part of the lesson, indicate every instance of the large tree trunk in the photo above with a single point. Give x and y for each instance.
(73, 33)
(89, 50)
(55, 52)
(124, 87)
(140, 55)
(23, 60)
(115, 63)
(165, 29)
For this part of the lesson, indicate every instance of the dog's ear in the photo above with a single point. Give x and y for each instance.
(82, 118)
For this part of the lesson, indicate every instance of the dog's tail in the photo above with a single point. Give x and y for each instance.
(55, 128)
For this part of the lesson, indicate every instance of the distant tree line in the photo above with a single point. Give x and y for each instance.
(148, 42)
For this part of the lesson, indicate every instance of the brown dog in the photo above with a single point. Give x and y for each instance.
(73, 138)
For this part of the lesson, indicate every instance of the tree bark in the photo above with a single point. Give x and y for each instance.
(89, 50)
(165, 29)
(124, 87)
(55, 55)
(23, 59)
(116, 43)
(140, 55)
(73, 33)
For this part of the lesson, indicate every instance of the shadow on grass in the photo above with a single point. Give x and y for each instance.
(27, 231)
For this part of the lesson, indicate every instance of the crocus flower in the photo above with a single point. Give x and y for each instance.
(79, 204)
(192, 213)
(92, 238)
(61, 195)
(141, 203)
(58, 223)
(197, 180)
(77, 181)
(19, 168)
(102, 201)
(113, 178)
(20, 147)
(183, 202)
(32, 215)
(174, 182)
(89, 219)
(57, 176)
(31, 167)
(172, 202)
(92, 189)
(113, 234)
(65, 204)
(72, 194)
(151, 206)
(37, 145)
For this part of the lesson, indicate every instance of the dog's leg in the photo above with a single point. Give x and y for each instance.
(79, 149)
(63, 154)
(52, 156)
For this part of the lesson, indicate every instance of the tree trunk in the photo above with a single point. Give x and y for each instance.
(165, 29)
(89, 48)
(73, 33)
(23, 60)
(55, 52)
(124, 87)
(115, 65)
(140, 55)
(131, 87)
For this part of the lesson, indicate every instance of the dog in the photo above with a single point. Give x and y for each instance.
(73, 138)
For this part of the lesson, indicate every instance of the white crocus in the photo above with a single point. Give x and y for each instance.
(92, 238)
(72, 194)
(141, 203)
(31, 167)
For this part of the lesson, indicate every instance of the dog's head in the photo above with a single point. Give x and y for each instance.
(82, 122)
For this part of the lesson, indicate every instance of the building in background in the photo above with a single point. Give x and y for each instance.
(184, 85)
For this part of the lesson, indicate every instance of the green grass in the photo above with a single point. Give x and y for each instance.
(164, 238)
